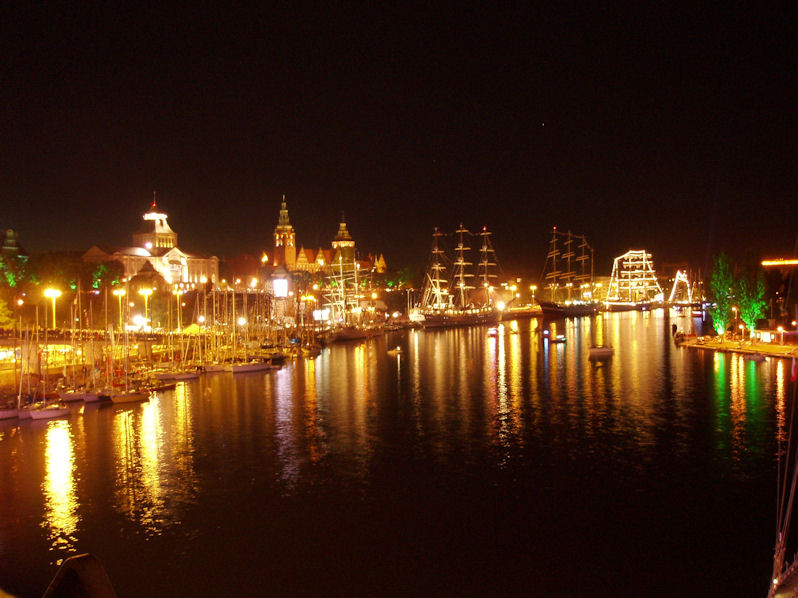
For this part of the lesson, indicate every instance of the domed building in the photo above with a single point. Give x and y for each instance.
(155, 244)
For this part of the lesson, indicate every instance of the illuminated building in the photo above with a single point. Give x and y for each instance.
(155, 249)
(284, 253)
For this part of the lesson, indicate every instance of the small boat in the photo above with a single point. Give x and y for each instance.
(48, 411)
(130, 396)
(395, 351)
(249, 366)
(598, 352)
(312, 350)
(191, 374)
(758, 357)
(70, 396)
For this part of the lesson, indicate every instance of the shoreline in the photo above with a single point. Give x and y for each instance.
(742, 347)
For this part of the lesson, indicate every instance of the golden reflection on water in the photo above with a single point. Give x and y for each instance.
(60, 496)
(154, 471)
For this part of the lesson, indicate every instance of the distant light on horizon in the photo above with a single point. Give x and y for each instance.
(780, 262)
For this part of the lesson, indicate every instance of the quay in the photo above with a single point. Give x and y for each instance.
(744, 347)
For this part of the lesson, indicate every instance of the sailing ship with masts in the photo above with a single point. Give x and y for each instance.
(568, 277)
(468, 298)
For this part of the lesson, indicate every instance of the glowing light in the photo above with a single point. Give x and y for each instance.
(52, 294)
(242, 321)
(780, 262)
(280, 287)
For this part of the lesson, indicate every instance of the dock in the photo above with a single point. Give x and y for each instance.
(784, 351)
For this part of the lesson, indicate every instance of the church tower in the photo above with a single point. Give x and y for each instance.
(284, 241)
(343, 244)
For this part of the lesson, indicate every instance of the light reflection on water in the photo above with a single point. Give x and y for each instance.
(456, 405)
(59, 488)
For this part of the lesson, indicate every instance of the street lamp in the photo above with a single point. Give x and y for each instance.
(146, 294)
(52, 294)
(533, 288)
(781, 332)
(119, 293)
(734, 309)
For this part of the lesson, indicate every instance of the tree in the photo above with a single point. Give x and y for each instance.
(721, 284)
(751, 294)
(6, 319)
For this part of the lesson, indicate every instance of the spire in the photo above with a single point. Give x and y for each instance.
(154, 205)
(283, 222)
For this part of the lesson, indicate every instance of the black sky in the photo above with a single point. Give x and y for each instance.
(667, 129)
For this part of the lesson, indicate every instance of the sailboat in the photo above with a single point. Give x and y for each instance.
(458, 302)
(129, 395)
(568, 277)
(43, 410)
(343, 301)
(599, 351)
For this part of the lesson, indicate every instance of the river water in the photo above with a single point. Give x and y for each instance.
(470, 464)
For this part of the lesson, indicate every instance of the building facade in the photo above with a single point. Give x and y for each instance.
(155, 244)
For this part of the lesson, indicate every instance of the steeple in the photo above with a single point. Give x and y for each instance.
(284, 240)
(283, 222)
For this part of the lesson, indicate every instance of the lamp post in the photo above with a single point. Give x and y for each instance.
(52, 294)
(736, 321)
(781, 332)
(119, 293)
(146, 294)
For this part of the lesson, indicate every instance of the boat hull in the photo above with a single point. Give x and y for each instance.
(130, 397)
(562, 310)
(9, 413)
(449, 319)
(253, 366)
(596, 353)
(49, 412)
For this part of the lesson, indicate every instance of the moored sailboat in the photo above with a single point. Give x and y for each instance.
(458, 302)
(568, 277)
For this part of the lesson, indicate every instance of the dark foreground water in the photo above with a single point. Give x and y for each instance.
(470, 464)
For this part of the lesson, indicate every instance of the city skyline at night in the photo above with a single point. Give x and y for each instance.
(663, 129)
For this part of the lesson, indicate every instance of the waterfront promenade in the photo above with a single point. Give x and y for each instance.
(745, 347)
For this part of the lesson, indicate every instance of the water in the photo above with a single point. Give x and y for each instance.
(469, 464)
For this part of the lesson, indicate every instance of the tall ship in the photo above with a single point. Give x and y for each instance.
(466, 299)
(567, 279)
(633, 283)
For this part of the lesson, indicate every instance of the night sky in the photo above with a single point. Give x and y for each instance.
(657, 128)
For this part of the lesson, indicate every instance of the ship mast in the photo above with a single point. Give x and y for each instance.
(461, 270)
(553, 275)
(487, 265)
(436, 293)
